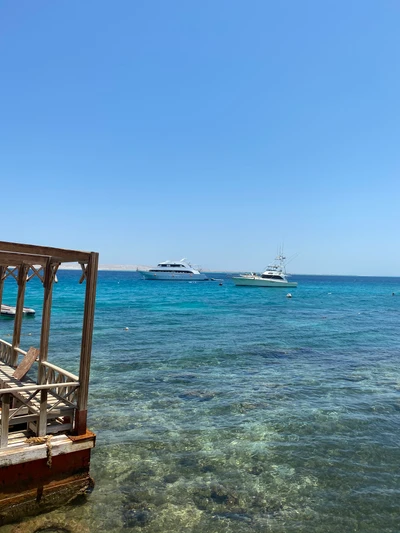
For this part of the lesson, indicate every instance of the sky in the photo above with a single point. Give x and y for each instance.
(216, 130)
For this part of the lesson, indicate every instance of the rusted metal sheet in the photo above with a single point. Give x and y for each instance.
(31, 488)
(43, 499)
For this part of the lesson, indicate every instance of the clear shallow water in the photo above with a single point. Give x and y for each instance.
(235, 409)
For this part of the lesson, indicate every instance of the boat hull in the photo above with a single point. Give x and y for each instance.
(260, 282)
(8, 310)
(170, 276)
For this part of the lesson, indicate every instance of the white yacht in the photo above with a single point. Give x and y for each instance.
(274, 276)
(174, 271)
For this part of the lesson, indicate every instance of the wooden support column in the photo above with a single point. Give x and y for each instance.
(23, 270)
(49, 273)
(5, 413)
(2, 274)
(86, 346)
(42, 425)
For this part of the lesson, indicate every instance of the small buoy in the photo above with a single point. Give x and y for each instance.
(126, 329)
(288, 295)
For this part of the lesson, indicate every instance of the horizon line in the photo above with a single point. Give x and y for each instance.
(135, 268)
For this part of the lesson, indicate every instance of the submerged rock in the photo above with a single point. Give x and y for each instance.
(47, 524)
(256, 470)
(210, 497)
(238, 517)
(171, 478)
(136, 517)
(201, 396)
(136, 476)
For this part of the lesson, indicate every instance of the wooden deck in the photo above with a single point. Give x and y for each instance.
(45, 408)
(44, 441)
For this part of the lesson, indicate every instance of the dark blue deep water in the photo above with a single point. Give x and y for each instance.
(233, 409)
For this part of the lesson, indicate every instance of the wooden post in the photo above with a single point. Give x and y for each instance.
(2, 273)
(5, 413)
(19, 311)
(45, 331)
(86, 345)
(42, 424)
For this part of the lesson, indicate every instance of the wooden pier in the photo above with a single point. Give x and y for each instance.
(44, 441)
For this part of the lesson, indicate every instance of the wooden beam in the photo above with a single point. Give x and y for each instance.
(19, 311)
(61, 253)
(16, 259)
(87, 337)
(45, 331)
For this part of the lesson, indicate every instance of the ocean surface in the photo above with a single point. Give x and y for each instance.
(224, 409)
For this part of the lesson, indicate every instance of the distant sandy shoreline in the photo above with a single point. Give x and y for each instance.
(128, 268)
(133, 268)
(122, 268)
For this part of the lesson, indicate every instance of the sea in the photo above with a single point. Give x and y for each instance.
(224, 409)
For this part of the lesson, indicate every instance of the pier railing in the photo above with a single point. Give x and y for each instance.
(47, 407)
(7, 352)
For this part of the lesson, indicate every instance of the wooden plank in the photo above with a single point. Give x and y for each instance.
(16, 389)
(39, 451)
(26, 363)
(62, 253)
(8, 259)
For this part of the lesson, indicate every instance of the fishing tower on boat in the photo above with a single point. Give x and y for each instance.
(45, 444)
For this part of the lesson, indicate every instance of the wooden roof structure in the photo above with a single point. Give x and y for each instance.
(25, 261)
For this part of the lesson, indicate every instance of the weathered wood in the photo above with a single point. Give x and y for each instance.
(73, 377)
(5, 413)
(61, 253)
(34, 477)
(45, 331)
(15, 259)
(87, 336)
(80, 422)
(19, 310)
(24, 453)
(26, 363)
(2, 274)
(6, 352)
(43, 414)
(34, 387)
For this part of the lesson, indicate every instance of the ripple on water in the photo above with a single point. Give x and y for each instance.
(241, 411)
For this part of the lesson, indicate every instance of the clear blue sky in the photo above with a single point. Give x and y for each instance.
(213, 130)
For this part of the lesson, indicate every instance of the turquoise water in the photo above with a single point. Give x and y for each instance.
(235, 409)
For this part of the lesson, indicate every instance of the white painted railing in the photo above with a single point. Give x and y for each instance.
(7, 352)
(56, 375)
(30, 402)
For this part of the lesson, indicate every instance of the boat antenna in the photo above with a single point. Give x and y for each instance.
(291, 258)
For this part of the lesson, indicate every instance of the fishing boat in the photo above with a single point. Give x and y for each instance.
(273, 276)
(173, 271)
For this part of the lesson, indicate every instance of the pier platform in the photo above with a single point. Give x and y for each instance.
(45, 444)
